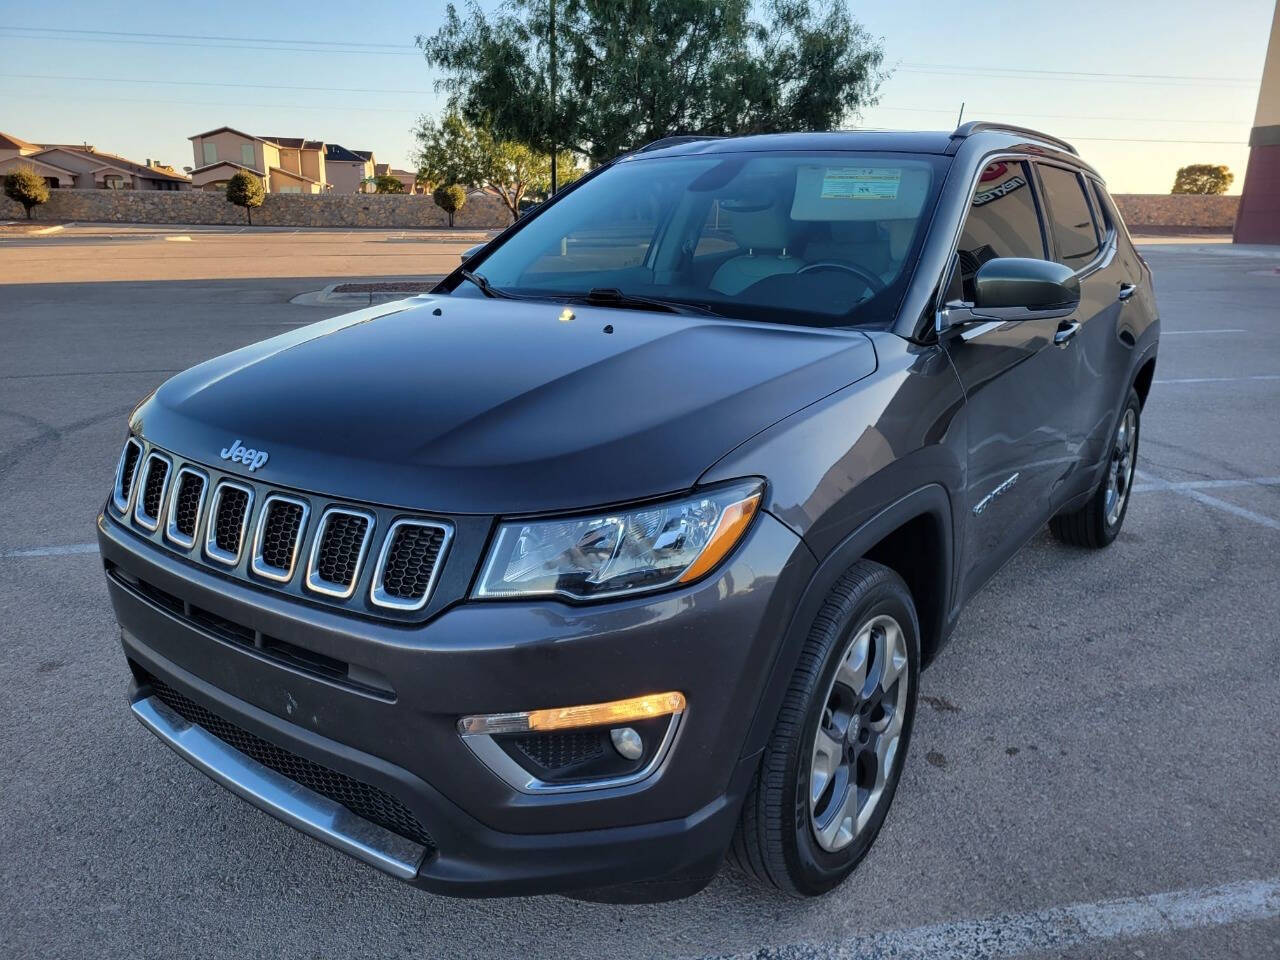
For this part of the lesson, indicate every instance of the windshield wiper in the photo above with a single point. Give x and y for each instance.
(488, 289)
(613, 297)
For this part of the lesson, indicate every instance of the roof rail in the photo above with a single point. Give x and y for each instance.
(978, 126)
(675, 141)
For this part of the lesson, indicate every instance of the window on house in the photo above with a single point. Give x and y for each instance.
(246, 155)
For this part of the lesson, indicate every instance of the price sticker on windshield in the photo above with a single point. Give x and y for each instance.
(861, 183)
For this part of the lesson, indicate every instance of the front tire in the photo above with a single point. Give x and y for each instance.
(1098, 522)
(832, 764)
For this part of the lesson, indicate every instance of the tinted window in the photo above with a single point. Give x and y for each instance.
(809, 238)
(1002, 221)
(1074, 232)
(1102, 204)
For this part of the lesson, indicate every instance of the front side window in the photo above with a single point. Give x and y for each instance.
(1074, 233)
(1002, 222)
(824, 239)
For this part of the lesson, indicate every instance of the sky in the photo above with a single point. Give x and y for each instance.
(1140, 86)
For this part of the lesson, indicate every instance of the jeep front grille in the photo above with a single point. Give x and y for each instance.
(408, 565)
(154, 485)
(341, 543)
(269, 538)
(228, 520)
(281, 526)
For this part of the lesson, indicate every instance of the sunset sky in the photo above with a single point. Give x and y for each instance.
(1142, 86)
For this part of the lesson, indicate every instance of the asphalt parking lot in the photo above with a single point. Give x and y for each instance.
(1095, 770)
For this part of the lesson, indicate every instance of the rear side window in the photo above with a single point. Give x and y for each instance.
(1075, 235)
(1002, 221)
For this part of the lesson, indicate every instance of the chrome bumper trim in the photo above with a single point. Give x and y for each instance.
(279, 796)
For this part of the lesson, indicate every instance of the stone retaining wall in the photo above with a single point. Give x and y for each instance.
(1168, 210)
(278, 210)
(1140, 210)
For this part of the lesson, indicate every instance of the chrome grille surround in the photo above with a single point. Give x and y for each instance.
(141, 486)
(316, 582)
(379, 595)
(171, 531)
(257, 563)
(211, 548)
(120, 497)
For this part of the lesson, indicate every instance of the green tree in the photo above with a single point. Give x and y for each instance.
(454, 151)
(450, 197)
(246, 190)
(631, 71)
(384, 183)
(26, 187)
(1203, 178)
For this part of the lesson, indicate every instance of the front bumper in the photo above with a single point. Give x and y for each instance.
(715, 641)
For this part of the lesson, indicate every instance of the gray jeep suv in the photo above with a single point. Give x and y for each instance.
(624, 547)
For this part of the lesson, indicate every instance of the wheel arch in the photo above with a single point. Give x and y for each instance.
(1144, 378)
(912, 536)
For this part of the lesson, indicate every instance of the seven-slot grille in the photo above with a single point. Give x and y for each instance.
(260, 534)
(281, 525)
(407, 568)
(154, 484)
(185, 505)
(336, 556)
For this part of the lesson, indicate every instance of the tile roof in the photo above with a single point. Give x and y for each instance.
(239, 133)
(296, 143)
(114, 160)
(10, 142)
(335, 151)
(227, 163)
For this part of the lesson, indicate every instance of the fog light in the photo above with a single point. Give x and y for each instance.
(627, 742)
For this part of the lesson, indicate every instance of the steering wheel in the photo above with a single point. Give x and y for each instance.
(866, 276)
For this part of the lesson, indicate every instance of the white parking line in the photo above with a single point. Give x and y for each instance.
(1056, 928)
(1264, 376)
(1203, 484)
(71, 549)
(1231, 508)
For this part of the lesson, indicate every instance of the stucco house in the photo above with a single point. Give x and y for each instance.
(407, 178)
(348, 169)
(285, 164)
(80, 166)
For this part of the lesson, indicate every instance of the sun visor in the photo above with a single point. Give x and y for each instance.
(852, 191)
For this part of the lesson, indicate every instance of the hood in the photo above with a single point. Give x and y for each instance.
(453, 405)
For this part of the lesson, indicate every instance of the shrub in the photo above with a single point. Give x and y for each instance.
(26, 187)
(450, 198)
(246, 190)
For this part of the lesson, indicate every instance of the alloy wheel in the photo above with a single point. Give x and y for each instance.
(1120, 469)
(858, 733)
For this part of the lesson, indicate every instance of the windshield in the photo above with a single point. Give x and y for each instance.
(808, 238)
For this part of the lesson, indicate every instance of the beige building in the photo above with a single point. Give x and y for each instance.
(285, 164)
(407, 178)
(80, 166)
(348, 169)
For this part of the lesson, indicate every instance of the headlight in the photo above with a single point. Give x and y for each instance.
(624, 551)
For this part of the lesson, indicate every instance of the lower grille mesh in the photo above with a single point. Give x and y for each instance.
(553, 751)
(364, 800)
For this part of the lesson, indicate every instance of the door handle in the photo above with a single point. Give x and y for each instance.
(1066, 330)
(1127, 290)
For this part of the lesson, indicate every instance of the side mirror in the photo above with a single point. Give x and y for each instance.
(470, 252)
(1016, 288)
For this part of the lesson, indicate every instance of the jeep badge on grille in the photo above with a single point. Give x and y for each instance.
(239, 453)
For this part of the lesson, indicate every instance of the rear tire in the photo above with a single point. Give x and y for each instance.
(1098, 522)
(831, 767)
